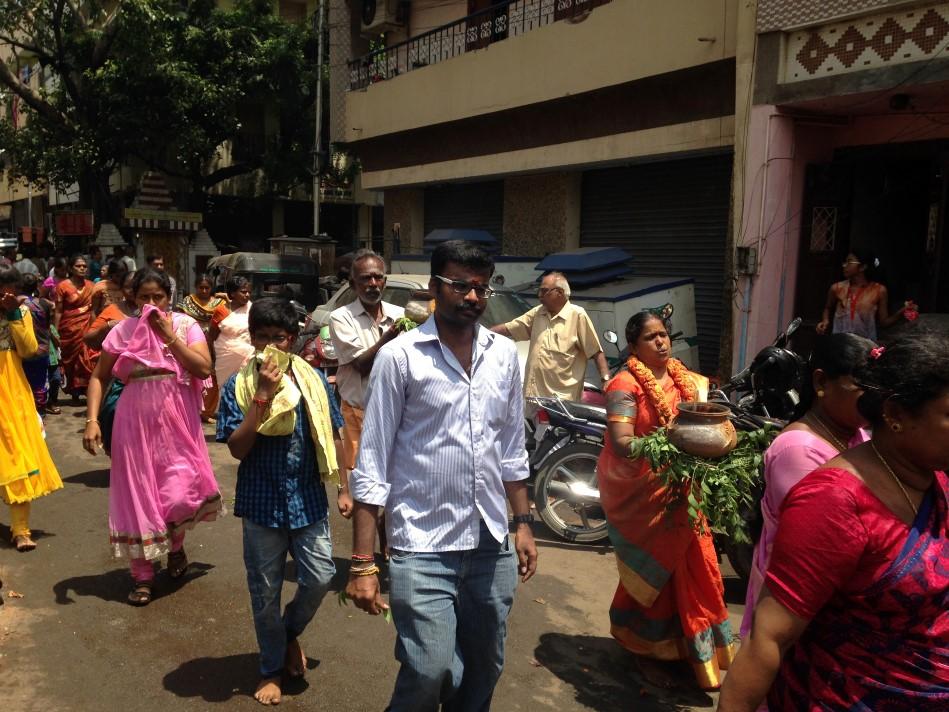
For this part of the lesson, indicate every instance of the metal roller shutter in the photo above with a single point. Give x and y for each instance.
(475, 206)
(673, 218)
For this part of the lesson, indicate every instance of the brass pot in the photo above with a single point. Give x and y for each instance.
(703, 430)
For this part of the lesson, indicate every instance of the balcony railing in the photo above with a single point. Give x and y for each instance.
(476, 31)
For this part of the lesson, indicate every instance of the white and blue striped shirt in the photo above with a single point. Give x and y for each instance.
(437, 445)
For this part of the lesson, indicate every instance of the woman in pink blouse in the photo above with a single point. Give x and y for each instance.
(830, 425)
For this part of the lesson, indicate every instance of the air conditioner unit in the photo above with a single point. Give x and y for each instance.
(378, 16)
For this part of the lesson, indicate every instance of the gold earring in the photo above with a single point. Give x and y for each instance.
(820, 394)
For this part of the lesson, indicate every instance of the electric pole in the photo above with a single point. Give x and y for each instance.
(318, 133)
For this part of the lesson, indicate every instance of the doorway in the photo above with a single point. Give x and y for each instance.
(889, 200)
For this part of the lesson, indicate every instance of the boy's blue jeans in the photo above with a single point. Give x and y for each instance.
(450, 611)
(265, 556)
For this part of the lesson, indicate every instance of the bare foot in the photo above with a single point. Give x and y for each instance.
(295, 661)
(268, 691)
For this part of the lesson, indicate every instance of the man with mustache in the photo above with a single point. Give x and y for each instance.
(443, 452)
(562, 340)
(358, 331)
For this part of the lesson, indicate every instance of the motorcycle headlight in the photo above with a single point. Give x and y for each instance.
(326, 348)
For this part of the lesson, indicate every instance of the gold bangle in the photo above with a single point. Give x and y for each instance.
(368, 571)
(91, 420)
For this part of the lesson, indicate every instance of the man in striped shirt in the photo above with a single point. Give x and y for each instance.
(442, 451)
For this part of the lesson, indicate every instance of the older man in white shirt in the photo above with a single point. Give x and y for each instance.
(442, 449)
(359, 330)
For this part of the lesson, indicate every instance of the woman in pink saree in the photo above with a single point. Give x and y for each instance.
(830, 425)
(161, 481)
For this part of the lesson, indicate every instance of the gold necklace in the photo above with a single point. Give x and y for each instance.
(897, 479)
(833, 438)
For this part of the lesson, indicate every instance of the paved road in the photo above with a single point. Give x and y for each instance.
(72, 643)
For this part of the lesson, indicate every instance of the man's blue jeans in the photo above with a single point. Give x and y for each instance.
(450, 611)
(265, 556)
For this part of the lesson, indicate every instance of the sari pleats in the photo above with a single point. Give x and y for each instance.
(669, 604)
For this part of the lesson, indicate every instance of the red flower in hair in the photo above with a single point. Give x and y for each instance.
(877, 352)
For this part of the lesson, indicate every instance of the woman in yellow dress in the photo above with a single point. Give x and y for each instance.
(26, 468)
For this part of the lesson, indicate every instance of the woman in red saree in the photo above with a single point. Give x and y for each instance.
(854, 612)
(669, 604)
(73, 299)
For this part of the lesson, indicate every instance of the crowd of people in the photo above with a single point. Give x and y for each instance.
(423, 440)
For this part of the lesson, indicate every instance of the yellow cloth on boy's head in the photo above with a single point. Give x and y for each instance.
(282, 418)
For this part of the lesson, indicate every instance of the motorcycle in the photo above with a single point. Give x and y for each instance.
(563, 467)
(563, 462)
(320, 353)
(766, 393)
(315, 346)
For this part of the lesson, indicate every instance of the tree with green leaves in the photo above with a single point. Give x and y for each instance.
(163, 83)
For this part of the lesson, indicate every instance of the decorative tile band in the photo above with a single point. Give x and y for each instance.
(866, 43)
(784, 14)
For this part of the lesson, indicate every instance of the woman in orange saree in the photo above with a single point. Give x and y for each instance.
(669, 604)
(73, 299)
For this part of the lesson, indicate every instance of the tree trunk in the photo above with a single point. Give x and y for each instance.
(94, 195)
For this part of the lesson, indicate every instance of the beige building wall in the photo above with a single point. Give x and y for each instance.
(611, 46)
(11, 191)
(601, 151)
(425, 15)
(407, 209)
(541, 213)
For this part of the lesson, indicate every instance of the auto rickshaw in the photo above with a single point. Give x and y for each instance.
(270, 275)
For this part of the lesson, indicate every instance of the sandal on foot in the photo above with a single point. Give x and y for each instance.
(141, 595)
(177, 563)
(23, 542)
(53, 410)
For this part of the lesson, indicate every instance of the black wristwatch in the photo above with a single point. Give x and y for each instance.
(523, 518)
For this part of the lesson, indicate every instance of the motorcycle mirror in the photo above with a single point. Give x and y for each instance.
(611, 336)
(298, 307)
(785, 336)
(792, 327)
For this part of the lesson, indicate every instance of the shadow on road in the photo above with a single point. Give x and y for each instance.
(114, 586)
(604, 676)
(547, 539)
(220, 679)
(93, 478)
(735, 589)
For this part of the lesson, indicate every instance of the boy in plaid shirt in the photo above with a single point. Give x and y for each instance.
(279, 418)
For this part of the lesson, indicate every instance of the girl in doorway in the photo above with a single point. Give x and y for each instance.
(857, 302)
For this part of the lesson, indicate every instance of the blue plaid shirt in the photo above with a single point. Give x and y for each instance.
(278, 483)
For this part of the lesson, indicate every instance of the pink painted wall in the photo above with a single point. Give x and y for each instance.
(779, 150)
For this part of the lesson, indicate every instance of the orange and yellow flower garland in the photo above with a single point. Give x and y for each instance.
(680, 377)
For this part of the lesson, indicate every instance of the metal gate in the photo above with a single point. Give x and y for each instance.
(475, 206)
(672, 216)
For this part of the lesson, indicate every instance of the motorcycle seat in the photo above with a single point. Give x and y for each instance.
(593, 413)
